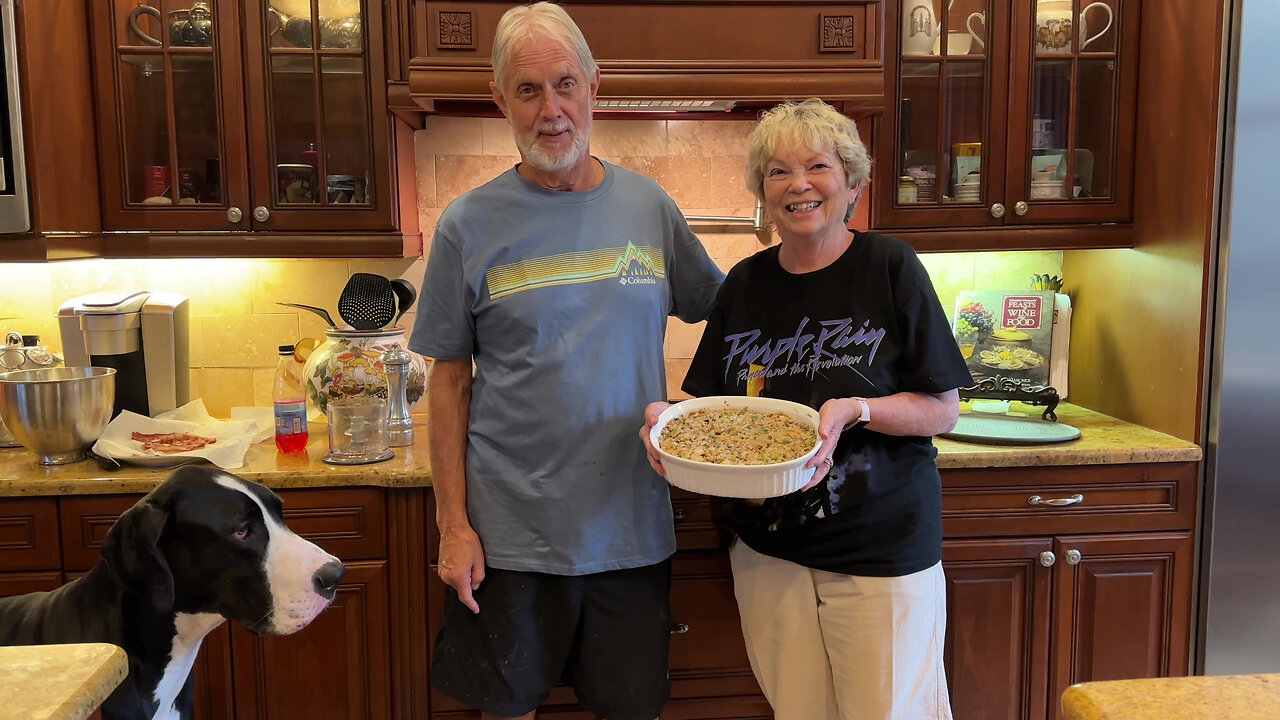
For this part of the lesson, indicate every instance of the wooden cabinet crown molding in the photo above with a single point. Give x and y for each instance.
(673, 51)
(852, 86)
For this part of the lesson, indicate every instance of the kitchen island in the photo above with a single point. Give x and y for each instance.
(1065, 563)
(58, 682)
(1239, 697)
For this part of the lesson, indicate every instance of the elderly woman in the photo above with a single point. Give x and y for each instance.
(839, 584)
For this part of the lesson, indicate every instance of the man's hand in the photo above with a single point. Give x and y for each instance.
(651, 414)
(462, 563)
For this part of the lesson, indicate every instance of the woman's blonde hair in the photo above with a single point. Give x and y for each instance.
(539, 20)
(818, 126)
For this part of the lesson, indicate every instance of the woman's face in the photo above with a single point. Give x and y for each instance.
(806, 192)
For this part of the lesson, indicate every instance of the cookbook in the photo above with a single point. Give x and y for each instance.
(1018, 335)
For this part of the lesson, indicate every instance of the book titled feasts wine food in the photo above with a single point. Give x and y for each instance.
(1013, 335)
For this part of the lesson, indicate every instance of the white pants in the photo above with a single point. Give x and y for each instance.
(826, 646)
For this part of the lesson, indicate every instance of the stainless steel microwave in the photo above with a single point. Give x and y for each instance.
(15, 216)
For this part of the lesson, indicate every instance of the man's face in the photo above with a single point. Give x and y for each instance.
(547, 97)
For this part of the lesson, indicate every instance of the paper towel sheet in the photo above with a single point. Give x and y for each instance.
(233, 437)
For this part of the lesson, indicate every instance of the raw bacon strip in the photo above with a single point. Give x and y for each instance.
(167, 443)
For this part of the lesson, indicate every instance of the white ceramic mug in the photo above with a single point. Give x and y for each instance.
(968, 25)
(1084, 33)
(1051, 15)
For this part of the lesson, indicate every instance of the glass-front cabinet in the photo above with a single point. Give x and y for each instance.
(243, 115)
(1004, 112)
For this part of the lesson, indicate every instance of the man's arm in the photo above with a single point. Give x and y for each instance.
(449, 405)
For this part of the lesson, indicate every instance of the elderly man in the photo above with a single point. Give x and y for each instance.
(556, 279)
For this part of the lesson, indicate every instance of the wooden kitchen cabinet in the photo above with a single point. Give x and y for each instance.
(1028, 615)
(245, 115)
(1000, 116)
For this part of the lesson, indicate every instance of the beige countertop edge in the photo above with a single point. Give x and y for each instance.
(1239, 697)
(62, 682)
(1104, 441)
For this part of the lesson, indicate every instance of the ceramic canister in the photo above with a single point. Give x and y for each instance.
(349, 364)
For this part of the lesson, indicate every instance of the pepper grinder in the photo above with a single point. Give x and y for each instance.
(399, 423)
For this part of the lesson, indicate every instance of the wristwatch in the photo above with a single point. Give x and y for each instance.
(864, 416)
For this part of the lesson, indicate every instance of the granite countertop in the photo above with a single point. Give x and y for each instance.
(1104, 440)
(62, 682)
(1239, 697)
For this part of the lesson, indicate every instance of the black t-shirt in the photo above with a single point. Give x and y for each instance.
(868, 325)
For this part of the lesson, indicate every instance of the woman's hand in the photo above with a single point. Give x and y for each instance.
(833, 416)
(651, 414)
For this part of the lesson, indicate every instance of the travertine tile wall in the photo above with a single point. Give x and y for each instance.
(236, 324)
(700, 164)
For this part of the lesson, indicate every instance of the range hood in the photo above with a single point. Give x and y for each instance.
(675, 56)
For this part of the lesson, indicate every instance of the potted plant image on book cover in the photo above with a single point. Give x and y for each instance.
(1006, 334)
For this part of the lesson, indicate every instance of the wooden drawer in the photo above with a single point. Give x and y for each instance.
(694, 517)
(27, 582)
(1100, 498)
(350, 524)
(29, 534)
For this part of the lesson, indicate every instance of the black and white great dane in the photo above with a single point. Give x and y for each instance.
(203, 547)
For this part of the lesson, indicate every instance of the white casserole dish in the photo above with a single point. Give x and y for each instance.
(738, 481)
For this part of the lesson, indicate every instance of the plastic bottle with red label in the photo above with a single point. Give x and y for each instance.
(290, 401)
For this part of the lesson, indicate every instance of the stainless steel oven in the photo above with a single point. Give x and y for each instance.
(15, 216)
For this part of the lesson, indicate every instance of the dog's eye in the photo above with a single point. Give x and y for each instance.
(242, 532)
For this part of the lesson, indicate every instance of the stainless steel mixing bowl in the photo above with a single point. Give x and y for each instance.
(57, 412)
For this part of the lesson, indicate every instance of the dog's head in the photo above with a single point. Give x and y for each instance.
(206, 541)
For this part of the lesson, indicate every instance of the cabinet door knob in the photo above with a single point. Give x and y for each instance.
(678, 514)
(997, 210)
(1056, 502)
(261, 213)
(1020, 208)
(1073, 557)
(679, 629)
(1047, 558)
(235, 214)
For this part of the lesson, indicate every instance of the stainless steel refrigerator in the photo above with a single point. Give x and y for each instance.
(1239, 609)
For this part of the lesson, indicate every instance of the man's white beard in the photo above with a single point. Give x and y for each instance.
(547, 162)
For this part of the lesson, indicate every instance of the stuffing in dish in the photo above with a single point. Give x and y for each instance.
(736, 437)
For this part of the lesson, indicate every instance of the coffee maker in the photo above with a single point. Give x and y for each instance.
(144, 335)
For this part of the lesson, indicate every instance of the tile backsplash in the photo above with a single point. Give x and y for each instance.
(236, 323)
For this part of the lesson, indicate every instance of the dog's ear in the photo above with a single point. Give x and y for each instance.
(132, 552)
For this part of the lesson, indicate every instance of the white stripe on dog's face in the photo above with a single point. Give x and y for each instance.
(290, 564)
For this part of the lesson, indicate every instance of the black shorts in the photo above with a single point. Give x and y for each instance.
(606, 635)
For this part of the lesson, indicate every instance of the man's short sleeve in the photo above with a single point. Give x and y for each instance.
(444, 328)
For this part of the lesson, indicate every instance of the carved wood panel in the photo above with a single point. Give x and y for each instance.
(997, 646)
(29, 535)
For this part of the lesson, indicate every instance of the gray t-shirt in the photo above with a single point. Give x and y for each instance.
(561, 299)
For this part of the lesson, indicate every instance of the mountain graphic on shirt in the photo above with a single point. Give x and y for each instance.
(629, 265)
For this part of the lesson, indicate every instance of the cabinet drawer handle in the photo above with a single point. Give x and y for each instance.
(1056, 502)
(679, 514)
(679, 629)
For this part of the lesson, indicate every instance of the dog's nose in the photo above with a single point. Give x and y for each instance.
(327, 578)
